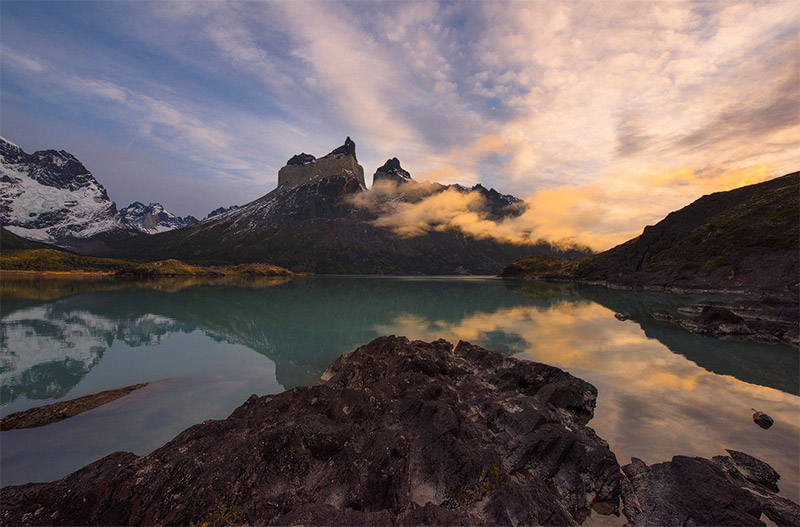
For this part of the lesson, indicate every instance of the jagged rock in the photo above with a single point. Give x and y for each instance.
(733, 490)
(622, 315)
(305, 168)
(762, 419)
(347, 149)
(391, 171)
(398, 432)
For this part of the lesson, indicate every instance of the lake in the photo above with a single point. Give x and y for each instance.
(204, 347)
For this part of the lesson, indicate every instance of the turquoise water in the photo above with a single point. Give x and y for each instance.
(205, 347)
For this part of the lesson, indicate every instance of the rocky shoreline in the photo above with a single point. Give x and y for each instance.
(401, 432)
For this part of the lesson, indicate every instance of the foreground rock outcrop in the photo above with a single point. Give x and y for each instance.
(398, 432)
(726, 490)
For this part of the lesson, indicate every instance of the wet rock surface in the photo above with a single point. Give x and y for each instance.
(726, 490)
(398, 432)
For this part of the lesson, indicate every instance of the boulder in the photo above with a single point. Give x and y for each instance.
(763, 420)
(726, 490)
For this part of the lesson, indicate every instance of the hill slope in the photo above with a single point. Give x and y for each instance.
(746, 239)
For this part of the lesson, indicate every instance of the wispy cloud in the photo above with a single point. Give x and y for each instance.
(525, 97)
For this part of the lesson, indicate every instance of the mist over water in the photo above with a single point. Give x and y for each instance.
(205, 347)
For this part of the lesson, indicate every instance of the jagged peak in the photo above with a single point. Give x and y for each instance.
(301, 159)
(391, 170)
(347, 149)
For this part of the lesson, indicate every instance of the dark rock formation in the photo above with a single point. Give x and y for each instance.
(302, 159)
(622, 315)
(398, 432)
(305, 168)
(733, 490)
(391, 171)
(347, 149)
(761, 419)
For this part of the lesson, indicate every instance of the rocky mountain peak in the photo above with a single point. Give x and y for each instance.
(305, 168)
(347, 149)
(391, 171)
(154, 218)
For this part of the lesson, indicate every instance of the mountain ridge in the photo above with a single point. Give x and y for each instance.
(313, 221)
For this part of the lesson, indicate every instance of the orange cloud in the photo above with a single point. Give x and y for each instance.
(599, 214)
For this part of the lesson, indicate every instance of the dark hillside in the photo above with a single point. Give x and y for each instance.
(746, 239)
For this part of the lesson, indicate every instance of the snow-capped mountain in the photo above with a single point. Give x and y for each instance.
(154, 218)
(50, 196)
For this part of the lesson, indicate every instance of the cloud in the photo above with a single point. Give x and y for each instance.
(522, 97)
(598, 214)
(21, 60)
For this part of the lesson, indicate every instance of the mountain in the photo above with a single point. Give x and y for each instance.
(220, 210)
(322, 219)
(391, 171)
(50, 196)
(154, 218)
(746, 239)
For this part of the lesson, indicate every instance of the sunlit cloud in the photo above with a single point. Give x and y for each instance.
(522, 97)
(599, 214)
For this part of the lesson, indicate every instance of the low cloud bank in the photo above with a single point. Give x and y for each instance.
(599, 215)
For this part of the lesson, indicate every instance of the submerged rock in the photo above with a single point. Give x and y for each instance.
(397, 432)
(733, 490)
(761, 419)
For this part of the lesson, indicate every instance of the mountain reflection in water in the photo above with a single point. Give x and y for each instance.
(662, 391)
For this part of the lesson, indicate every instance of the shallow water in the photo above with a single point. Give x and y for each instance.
(205, 347)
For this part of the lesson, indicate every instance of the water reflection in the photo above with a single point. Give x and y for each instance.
(67, 339)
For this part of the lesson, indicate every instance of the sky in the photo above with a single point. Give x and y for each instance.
(604, 116)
